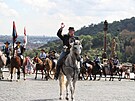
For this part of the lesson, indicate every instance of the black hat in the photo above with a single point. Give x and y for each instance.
(42, 50)
(71, 28)
(7, 42)
(36, 53)
(54, 51)
(18, 42)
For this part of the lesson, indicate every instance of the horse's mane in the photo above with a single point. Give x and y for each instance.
(1, 53)
(39, 60)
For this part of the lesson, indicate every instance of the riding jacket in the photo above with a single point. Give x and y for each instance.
(67, 39)
(20, 50)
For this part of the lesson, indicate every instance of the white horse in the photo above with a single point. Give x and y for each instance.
(69, 71)
(3, 60)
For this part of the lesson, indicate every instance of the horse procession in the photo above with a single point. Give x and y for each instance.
(68, 67)
(88, 69)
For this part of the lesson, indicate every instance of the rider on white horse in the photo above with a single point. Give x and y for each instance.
(67, 39)
(6, 50)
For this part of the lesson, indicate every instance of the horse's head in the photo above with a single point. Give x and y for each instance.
(76, 48)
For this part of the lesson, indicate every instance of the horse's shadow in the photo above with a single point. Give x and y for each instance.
(4, 80)
(46, 100)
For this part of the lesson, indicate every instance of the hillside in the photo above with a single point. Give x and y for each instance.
(33, 41)
(93, 38)
(113, 28)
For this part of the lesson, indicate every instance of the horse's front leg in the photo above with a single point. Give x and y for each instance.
(23, 69)
(61, 85)
(67, 93)
(100, 75)
(36, 74)
(42, 74)
(11, 72)
(18, 74)
(73, 89)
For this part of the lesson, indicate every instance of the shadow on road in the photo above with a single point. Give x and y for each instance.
(5, 80)
(45, 100)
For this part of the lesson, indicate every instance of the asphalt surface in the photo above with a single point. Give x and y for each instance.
(41, 90)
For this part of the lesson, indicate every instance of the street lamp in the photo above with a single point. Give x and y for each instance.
(105, 32)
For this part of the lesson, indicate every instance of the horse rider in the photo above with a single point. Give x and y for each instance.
(97, 61)
(36, 58)
(66, 39)
(7, 50)
(86, 61)
(19, 50)
(42, 55)
(52, 57)
(116, 62)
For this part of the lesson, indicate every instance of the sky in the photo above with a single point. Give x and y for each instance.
(43, 17)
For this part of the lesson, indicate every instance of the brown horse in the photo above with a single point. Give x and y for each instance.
(39, 66)
(48, 68)
(92, 70)
(15, 63)
(85, 73)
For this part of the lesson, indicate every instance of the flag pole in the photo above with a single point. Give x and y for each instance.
(14, 35)
(13, 48)
(13, 40)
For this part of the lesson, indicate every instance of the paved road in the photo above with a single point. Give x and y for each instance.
(40, 90)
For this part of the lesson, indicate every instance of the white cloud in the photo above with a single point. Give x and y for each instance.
(6, 11)
(45, 16)
(40, 4)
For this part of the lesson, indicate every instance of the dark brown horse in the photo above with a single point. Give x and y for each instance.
(85, 73)
(15, 63)
(92, 70)
(115, 70)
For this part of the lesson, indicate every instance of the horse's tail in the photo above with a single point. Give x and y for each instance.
(62, 81)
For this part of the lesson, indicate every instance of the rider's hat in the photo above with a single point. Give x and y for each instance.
(36, 53)
(18, 42)
(54, 51)
(43, 50)
(71, 28)
(7, 42)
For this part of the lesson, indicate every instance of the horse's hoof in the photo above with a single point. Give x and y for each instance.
(2, 77)
(67, 98)
(17, 80)
(35, 78)
(72, 99)
(11, 80)
(90, 79)
(60, 98)
(24, 79)
(98, 80)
